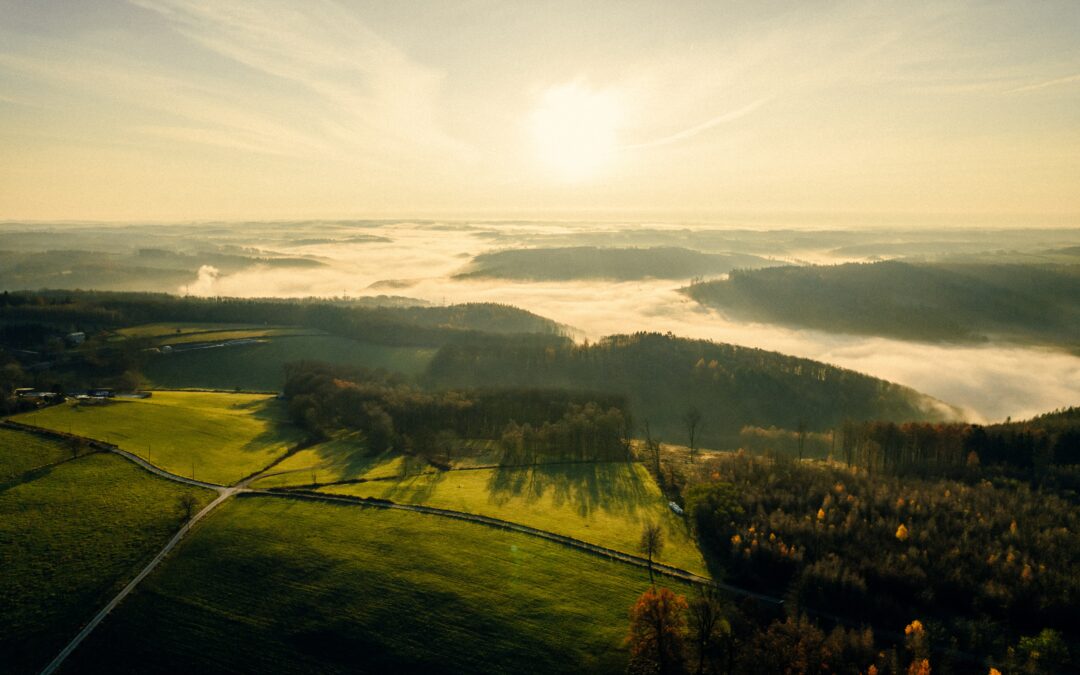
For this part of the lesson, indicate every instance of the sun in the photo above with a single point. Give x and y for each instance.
(575, 130)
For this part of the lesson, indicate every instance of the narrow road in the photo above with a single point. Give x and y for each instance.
(224, 493)
(162, 472)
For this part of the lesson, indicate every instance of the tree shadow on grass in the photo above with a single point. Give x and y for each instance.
(615, 487)
(416, 488)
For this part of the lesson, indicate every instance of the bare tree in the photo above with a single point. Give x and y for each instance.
(801, 437)
(693, 422)
(77, 446)
(652, 542)
(652, 446)
(708, 627)
(626, 434)
(188, 504)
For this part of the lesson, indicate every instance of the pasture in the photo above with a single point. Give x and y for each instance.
(181, 330)
(344, 458)
(22, 451)
(273, 584)
(604, 503)
(69, 539)
(261, 366)
(221, 438)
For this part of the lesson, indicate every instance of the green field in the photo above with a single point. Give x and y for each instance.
(237, 334)
(21, 451)
(601, 503)
(261, 366)
(185, 329)
(226, 436)
(344, 458)
(277, 585)
(69, 540)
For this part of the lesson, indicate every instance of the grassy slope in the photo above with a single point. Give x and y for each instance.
(261, 366)
(68, 541)
(229, 436)
(276, 585)
(347, 458)
(602, 503)
(182, 330)
(239, 334)
(344, 458)
(21, 452)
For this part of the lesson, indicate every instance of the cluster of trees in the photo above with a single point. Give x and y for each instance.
(1038, 303)
(1049, 439)
(393, 413)
(672, 634)
(798, 442)
(984, 561)
(662, 377)
(90, 311)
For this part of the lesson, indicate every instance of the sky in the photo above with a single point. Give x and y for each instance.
(200, 109)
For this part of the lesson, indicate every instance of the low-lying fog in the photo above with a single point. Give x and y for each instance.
(990, 382)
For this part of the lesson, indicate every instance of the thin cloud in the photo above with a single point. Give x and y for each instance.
(370, 93)
(1046, 84)
(704, 126)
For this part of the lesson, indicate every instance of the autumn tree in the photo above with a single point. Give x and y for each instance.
(657, 629)
(652, 542)
(793, 646)
(1042, 653)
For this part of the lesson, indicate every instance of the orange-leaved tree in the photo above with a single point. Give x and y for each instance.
(657, 633)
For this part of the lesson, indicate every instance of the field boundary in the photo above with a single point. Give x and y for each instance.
(436, 472)
(602, 551)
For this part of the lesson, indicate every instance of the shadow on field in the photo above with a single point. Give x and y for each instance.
(610, 486)
(414, 487)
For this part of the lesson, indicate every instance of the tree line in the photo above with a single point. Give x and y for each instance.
(662, 377)
(1046, 440)
(392, 413)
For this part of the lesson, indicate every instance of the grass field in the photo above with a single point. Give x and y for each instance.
(184, 329)
(238, 334)
(601, 503)
(344, 458)
(69, 539)
(277, 585)
(261, 366)
(21, 452)
(227, 436)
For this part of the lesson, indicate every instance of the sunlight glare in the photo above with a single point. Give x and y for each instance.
(575, 130)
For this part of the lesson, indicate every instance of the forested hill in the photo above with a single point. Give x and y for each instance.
(91, 311)
(932, 302)
(591, 262)
(662, 377)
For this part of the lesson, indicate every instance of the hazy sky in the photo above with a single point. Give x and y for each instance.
(189, 109)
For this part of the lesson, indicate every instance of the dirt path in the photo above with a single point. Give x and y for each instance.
(131, 457)
(224, 494)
